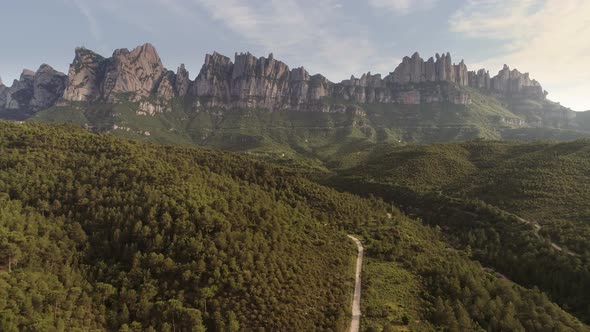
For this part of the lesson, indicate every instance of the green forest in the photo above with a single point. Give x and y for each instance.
(105, 234)
(518, 208)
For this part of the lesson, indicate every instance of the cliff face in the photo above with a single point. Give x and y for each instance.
(415, 70)
(247, 81)
(33, 91)
(256, 82)
(128, 74)
(513, 82)
(85, 76)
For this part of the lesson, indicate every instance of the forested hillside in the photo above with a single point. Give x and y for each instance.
(521, 208)
(546, 182)
(115, 234)
(100, 233)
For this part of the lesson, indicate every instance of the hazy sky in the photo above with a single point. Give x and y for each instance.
(548, 38)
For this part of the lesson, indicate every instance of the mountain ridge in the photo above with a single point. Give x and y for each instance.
(249, 81)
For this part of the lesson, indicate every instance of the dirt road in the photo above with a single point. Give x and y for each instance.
(356, 299)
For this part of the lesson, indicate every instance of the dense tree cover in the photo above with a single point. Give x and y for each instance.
(42, 287)
(107, 234)
(167, 238)
(457, 294)
(546, 182)
(497, 239)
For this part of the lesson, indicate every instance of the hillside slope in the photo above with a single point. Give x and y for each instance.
(108, 234)
(468, 187)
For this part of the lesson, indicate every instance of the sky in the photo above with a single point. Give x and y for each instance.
(337, 38)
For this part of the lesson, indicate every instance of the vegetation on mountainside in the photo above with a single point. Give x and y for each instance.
(544, 183)
(308, 139)
(109, 234)
(167, 239)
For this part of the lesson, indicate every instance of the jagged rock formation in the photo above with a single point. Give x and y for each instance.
(33, 91)
(480, 79)
(48, 87)
(247, 81)
(256, 82)
(182, 81)
(416, 70)
(514, 82)
(3, 89)
(135, 73)
(85, 76)
(127, 74)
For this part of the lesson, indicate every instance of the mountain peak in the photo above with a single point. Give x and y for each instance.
(27, 72)
(250, 81)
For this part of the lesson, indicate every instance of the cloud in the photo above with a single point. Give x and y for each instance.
(402, 7)
(89, 16)
(549, 38)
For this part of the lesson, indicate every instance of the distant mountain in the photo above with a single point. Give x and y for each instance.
(231, 103)
(266, 82)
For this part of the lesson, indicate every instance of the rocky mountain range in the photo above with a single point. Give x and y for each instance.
(247, 81)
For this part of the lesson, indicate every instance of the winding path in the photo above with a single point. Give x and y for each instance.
(537, 228)
(356, 299)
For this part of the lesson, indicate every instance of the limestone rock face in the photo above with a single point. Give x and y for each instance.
(256, 82)
(415, 70)
(411, 70)
(19, 95)
(48, 87)
(127, 74)
(247, 81)
(3, 94)
(214, 78)
(135, 73)
(512, 82)
(461, 74)
(85, 76)
(33, 91)
(166, 87)
(182, 81)
(430, 70)
(480, 79)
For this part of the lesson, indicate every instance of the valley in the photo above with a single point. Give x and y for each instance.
(137, 199)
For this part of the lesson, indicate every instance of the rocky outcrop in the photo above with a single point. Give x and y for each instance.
(480, 79)
(182, 82)
(385, 92)
(3, 94)
(165, 88)
(512, 82)
(19, 95)
(131, 75)
(256, 82)
(48, 87)
(416, 70)
(247, 81)
(461, 74)
(85, 76)
(33, 91)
